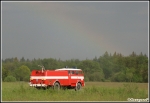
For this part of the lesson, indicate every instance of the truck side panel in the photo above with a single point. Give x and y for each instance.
(61, 76)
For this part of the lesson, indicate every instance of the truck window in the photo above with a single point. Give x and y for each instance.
(80, 72)
(69, 72)
(76, 72)
(72, 72)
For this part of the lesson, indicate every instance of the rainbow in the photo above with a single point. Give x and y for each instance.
(78, 29)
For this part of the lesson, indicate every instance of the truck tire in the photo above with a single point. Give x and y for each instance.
(56, 86)
(78, 87)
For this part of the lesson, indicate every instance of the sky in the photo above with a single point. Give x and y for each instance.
(73, 30)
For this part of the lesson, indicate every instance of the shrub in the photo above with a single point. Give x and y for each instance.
(26, 78)
(10, 79)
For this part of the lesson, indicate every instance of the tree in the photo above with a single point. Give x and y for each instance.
(5, 73)
(106, 65)
(118, 77)
(9, 67)
(133, 54)
(16, 59)
(106, 55)
(115, 67)
(129, 74)
(22, 59)
(92, 70)
(22, 73)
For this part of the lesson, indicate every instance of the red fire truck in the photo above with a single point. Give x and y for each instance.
(69, 78)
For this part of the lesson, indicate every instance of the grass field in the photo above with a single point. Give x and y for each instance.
(93, 91)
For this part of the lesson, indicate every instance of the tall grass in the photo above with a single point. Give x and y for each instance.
(93, 91)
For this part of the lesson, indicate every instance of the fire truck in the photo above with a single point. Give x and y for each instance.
(65, 78)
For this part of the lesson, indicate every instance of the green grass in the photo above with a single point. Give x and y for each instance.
(93, 91)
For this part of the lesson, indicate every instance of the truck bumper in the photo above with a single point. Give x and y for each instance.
(37, 85)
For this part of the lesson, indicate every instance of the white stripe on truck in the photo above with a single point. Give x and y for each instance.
(49, 77)
(77, 77)
(56, 77)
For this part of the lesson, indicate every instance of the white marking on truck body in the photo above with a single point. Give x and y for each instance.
(77, 77)
(37, 85)
(49, 77)
(66, 69)
(56, 77)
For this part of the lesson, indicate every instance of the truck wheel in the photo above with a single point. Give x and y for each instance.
(78, 87)
(56, 86)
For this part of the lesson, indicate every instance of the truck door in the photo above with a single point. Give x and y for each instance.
(69, 77)
(73, 78)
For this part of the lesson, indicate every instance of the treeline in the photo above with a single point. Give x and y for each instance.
(108, 67)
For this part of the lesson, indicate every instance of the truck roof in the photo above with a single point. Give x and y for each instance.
(67, 69)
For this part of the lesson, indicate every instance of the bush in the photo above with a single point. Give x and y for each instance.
(26, 78)
(10, 79)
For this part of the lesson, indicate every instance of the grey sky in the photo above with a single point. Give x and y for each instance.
(73, 30)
